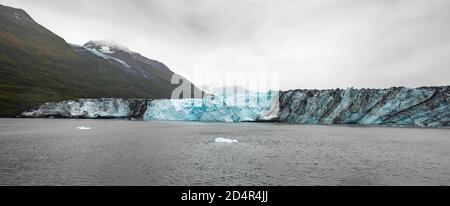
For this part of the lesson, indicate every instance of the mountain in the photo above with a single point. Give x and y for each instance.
(38, 66)
(150, 73)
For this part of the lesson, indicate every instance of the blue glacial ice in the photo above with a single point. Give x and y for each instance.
(219, 108)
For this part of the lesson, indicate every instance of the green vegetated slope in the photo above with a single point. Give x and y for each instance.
(37, 66)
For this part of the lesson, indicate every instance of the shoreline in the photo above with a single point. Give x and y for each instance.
(244, 122)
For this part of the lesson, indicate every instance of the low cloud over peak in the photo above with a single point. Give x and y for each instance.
(312, 44)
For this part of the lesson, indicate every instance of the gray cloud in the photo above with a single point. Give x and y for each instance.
(312, 43)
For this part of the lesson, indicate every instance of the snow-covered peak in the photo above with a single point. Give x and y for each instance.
(102, 55)
(106, 47)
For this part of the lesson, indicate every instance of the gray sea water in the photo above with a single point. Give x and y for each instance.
(121, 152)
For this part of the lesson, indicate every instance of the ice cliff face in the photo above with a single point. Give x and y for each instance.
(104, 108)
(237, 108)
(421, 107)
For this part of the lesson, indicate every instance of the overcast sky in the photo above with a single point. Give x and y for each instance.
(311, 43)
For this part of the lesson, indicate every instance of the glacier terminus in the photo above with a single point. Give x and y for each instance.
(396, 106)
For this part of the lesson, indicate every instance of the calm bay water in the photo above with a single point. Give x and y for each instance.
(121, 152)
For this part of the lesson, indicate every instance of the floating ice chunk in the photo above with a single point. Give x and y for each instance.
(224, 140)
(84, 128)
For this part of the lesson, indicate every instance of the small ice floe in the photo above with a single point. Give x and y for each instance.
(224, 140)
(84, 128)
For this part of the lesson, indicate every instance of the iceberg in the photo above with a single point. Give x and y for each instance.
(84, 128)
(224, 140)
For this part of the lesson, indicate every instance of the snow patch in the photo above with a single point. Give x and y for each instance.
(224, 140)
(17, 16)
(109, 46)
(100, 54)
(106, 49)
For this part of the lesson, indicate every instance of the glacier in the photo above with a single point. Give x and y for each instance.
(103, 108)
(215, 108)
(396, 106)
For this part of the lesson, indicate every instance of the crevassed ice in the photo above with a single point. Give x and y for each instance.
(94, 108)
(218, 108)
(89, 108)
(397, 106)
